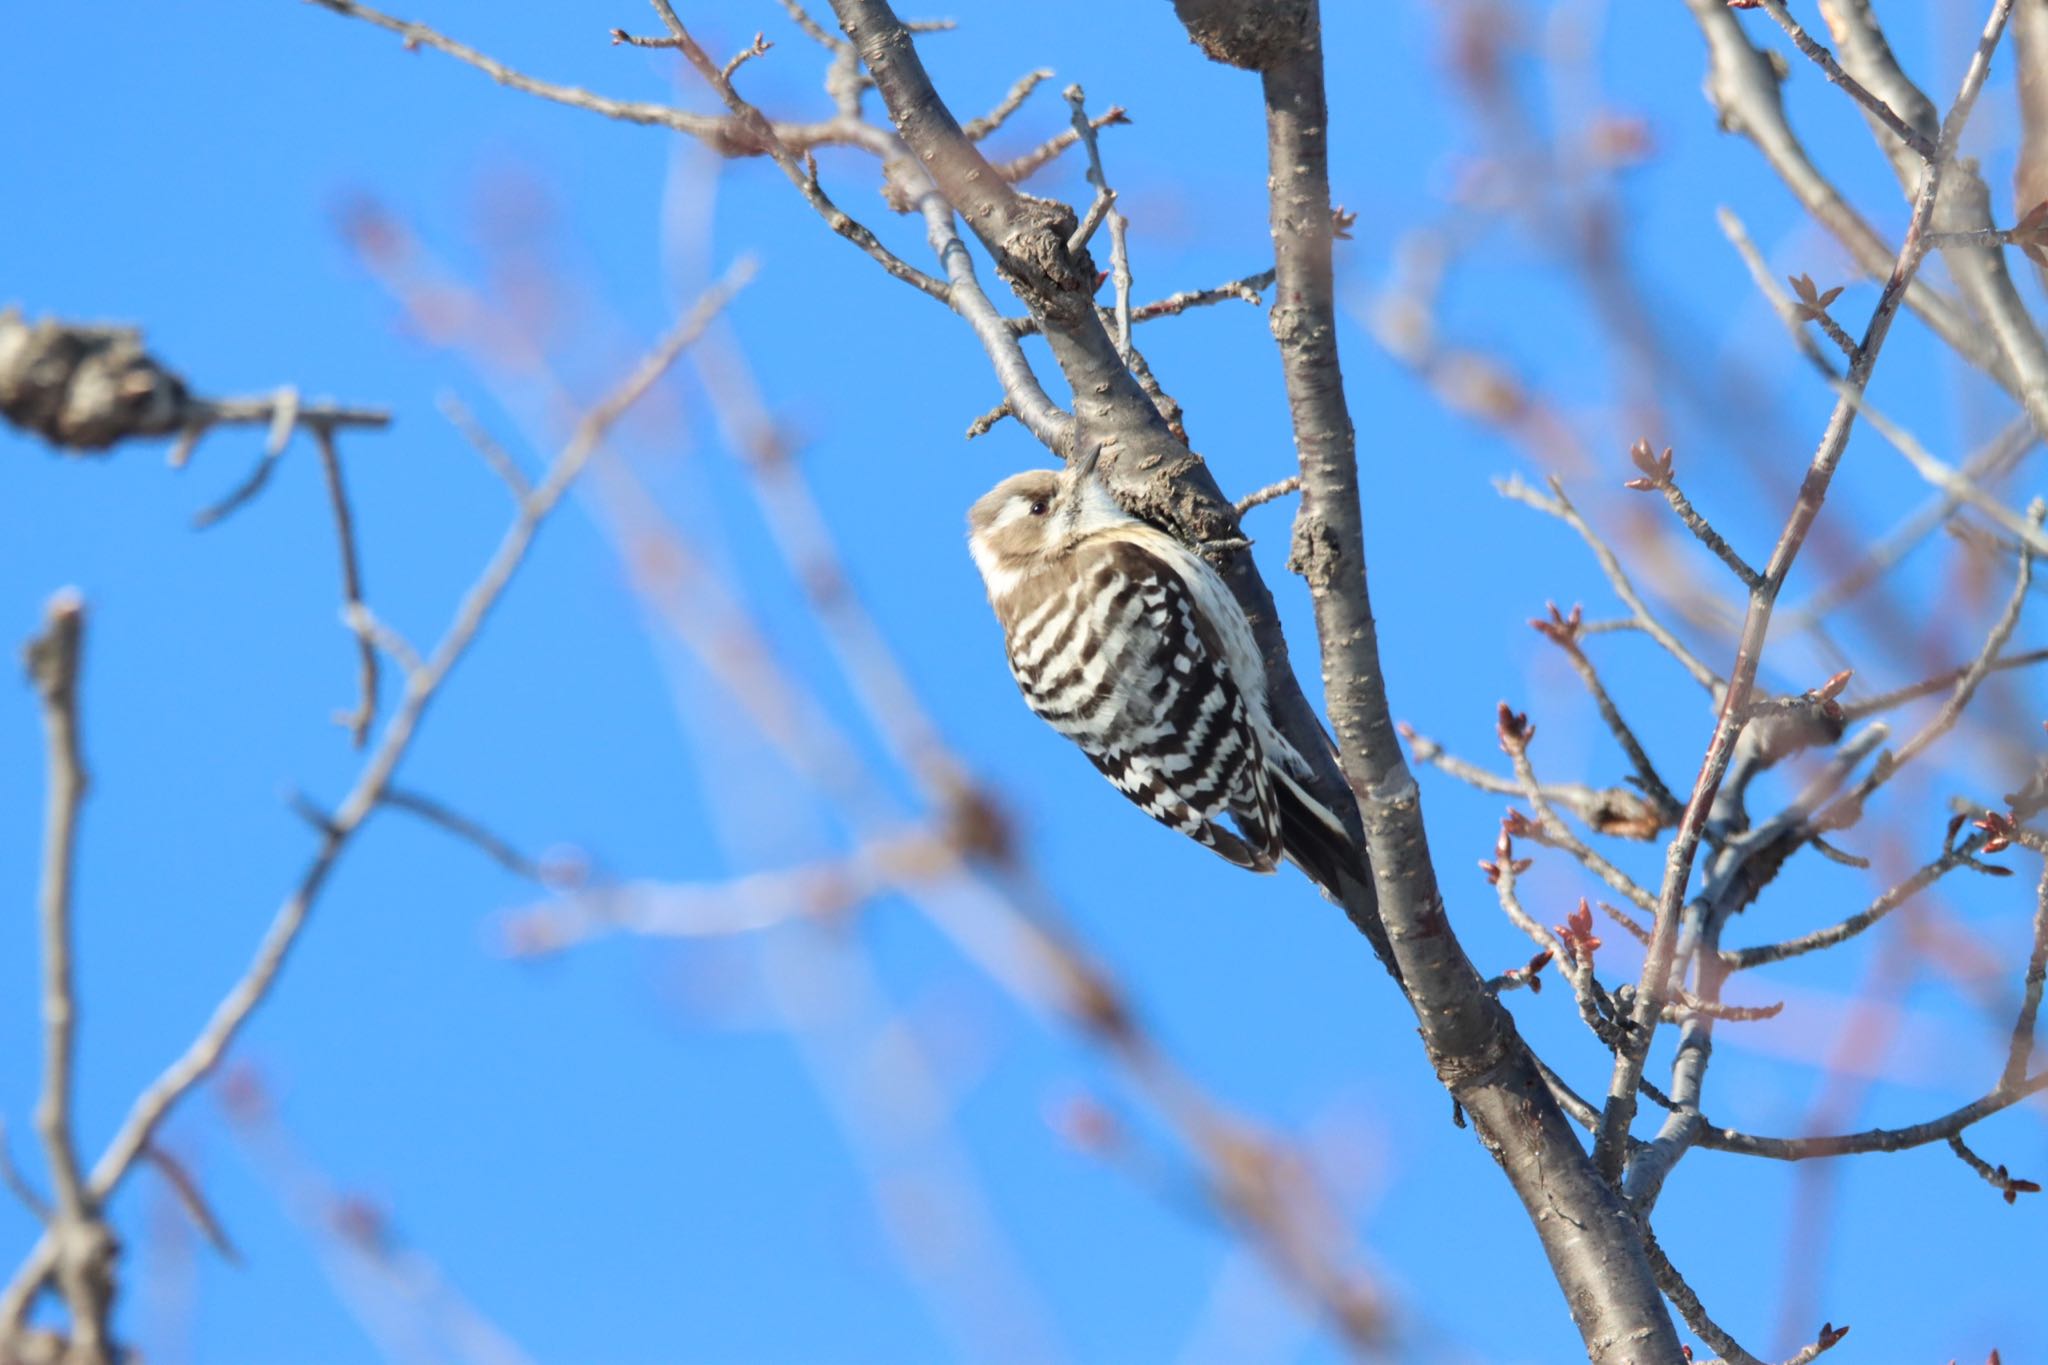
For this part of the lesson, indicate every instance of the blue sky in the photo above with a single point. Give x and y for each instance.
(622, 1154)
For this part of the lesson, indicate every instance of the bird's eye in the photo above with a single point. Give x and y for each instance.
(1038, 508)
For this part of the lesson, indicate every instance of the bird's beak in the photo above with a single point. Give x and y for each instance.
(1083, 468)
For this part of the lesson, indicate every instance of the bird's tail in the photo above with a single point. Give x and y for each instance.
(1316, 841)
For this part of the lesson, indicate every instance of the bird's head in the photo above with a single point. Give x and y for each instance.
(1030, 521)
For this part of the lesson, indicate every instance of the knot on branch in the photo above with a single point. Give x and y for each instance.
(1155, 476)
(1034, 256)
(1249, 35)
(976, 824)
(1466, 1067)
(1622, 813)
(737, 138)
(84, 388)
(1316, 554)
(1094, 1001)
(1784, 725)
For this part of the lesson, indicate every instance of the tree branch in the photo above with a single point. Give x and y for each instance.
(1593, 1248)
(83, 1247)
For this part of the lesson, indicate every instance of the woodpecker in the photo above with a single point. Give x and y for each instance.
(1129, 643)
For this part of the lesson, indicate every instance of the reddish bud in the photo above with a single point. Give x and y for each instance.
(243, 1094)
(1085, 1124)
(360, 1222)
(1577, 933)
(1559, 629)
(1998, 831)
(1620, 140)
(1514, 729)
(1656, 469)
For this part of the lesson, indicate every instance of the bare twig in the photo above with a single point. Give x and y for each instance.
(1842, 930)
(746, 131)
(53, 666)
(282, 412)
(802, 174)
(1938, 1129)
(17, 1184)
(1021, 168)
(1941, 682)
(758, 48)
(2007, 1184)
(193, 1200)
(1247, 289)
(1689, 1306)
(1272, 492)
(446, 817)
(495, 456)
(984, 424)
(1105, 207)
(1767, 284)
(84, 1248)
(1992, 460)
(1565, 632)
(729, 136)
(2020, 1052)
(1023, 396)
(1556, 832)
(1657, 475)
(1627, 922)
(382, 635)
(1849, 807)
(1825, 60)
(1729, 1350)
(357, 720)
(979, 128)
(745, 905)
(1594, 1007)
(1954, 483)
(813, 30)
(1560, 506)
(283, 419)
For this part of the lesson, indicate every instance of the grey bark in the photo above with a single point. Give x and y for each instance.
(1592, 1240)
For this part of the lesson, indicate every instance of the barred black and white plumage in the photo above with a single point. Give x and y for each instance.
(1129, 644)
